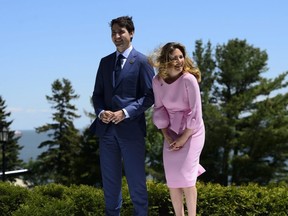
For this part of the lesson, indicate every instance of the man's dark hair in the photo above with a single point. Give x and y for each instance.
(124, 22)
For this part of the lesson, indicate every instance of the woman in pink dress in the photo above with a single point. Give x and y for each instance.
(178, 113)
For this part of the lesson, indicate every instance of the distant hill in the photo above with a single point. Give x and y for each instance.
(30, 141)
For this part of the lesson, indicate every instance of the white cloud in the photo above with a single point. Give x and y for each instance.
(14, 109)
(27, 110)
(33, 110)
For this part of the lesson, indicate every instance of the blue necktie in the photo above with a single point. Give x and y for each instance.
(118, 67)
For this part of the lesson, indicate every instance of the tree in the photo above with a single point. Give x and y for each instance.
(57, 164)
(88, 161)
(12, 149)
(211, 158)
(246, 126)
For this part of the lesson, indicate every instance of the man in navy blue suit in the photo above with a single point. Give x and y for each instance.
(122, 93)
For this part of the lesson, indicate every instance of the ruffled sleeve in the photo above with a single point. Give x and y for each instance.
(160, 115)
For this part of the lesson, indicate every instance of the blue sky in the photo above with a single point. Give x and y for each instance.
(45, 40)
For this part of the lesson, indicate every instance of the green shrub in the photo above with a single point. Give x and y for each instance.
(11, 197)
(249, 200)
(213, 199)
(159, 199)
(53, 199)
(87, 200)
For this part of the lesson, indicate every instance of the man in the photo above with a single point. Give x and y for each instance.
(122, 93)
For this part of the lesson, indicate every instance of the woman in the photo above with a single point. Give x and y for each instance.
(178, 113)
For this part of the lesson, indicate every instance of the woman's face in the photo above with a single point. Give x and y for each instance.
(177, 61)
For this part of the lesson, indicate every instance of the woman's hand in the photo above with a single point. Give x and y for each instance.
(167, 138)
(180, 141)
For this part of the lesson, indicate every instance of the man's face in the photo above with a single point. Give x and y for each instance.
(121, 37)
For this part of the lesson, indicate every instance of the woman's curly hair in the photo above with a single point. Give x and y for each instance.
(161, 61)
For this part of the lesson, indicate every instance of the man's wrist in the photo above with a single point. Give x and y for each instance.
(125, 113)
(100, 114)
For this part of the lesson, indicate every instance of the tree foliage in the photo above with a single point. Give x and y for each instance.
(12, 148)
(246, 139)
(88, 170)
(58, 162)
(245, 117)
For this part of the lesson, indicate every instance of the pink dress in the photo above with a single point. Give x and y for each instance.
(178, 106)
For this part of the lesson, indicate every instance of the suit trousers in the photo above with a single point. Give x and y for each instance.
(114, 151)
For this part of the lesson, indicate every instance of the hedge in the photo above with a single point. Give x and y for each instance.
(213, 199)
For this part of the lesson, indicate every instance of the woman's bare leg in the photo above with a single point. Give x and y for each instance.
(176, 195)
(191, 200)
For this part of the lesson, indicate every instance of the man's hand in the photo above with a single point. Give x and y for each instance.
(118, 116)
(106, 116)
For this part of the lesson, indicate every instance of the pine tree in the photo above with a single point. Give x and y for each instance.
(247, 128)
(88, 161)
(57, 164)
(12, 148)
(204, 58)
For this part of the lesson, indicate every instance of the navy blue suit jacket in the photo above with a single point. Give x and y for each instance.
(133, 92)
